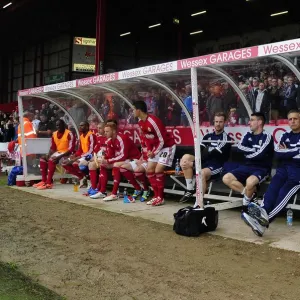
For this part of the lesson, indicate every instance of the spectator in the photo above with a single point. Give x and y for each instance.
(229, 97)
(16, 125)
(274, 96)
(45, 127)
(262, 103)
(151, 102)
(290, 96)
(36, 121)
(215, 103)
(188, 103)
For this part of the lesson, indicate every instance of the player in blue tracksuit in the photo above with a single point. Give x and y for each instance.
(284, 184)
(215, 151)
(258, 148)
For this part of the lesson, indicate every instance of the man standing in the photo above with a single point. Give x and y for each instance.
(290, 96)
(257, 146)
(161, 150)
(45, 127)
(274, 96)
(29, 131)
(62, 145)
(262, 103)
(215, 152)
(284, 184)
(188, 103)
(215, 103)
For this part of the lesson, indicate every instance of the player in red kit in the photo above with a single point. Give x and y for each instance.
(99, 151)
(135, 170)
(161, 150)
(120, 149)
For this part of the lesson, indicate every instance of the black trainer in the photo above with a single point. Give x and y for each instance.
(187, 196)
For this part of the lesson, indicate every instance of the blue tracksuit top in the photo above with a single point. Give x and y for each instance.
(258, 149)
(291, 155)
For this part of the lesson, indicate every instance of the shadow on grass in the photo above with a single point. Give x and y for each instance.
(16, 286)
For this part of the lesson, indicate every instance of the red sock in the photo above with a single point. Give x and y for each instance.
(74, 170)
(160, 184)
(117, 179)
(93, 177)
(141, 177)
(51, 170)
(103, 179)
(99, 181)
(130, 177)
(152, 179)
(43, 169)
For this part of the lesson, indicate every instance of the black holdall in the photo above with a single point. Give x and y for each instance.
(190, 221)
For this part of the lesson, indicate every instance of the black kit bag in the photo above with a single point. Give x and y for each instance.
(190, 221)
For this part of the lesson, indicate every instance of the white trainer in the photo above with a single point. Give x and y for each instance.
(111, 198)
(98, 195)
(151, 201)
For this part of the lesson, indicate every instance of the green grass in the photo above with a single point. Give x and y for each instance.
(16, 286)
(3, 182)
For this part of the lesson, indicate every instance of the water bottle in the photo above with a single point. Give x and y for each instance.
(118, 193)
(289, 217)
(177, 168)
(125, 195)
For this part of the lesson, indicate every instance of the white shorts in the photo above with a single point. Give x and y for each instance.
(165, 156)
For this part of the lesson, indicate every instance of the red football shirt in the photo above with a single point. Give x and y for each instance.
(156, 134)
(121, 148)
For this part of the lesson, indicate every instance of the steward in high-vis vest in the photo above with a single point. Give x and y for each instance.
(62, 146)
(29, 131)
(87, 145)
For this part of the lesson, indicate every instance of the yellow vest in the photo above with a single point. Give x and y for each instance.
(62, 144)
(84, 141)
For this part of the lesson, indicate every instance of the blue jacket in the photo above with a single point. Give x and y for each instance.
(217, 150)
(291, 155)
(188, 103)
(258, 149)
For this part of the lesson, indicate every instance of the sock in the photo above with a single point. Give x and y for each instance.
(74, 170)
(117, 179)
(99, 182)
(130, 177)
(189, 184)
(152, 179)
(160, 183)
(51, 170)
(103, 179)
(43, 169)
(246, 200)
(141, 177)
(93, 178)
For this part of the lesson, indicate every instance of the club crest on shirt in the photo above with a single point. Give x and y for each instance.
(149, 129)
(260, 142)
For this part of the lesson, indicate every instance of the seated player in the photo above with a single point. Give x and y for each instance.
(99, 151)
(120, 149)
(161, 150)
(87, 143)
(284, 185)
(136, 169)
(62, 146)
(215, 152)
(257, 146)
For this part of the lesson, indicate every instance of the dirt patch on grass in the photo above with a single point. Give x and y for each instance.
(85, 253)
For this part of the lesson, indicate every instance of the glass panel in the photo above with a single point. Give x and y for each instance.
(44, 116)
(79, 111)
